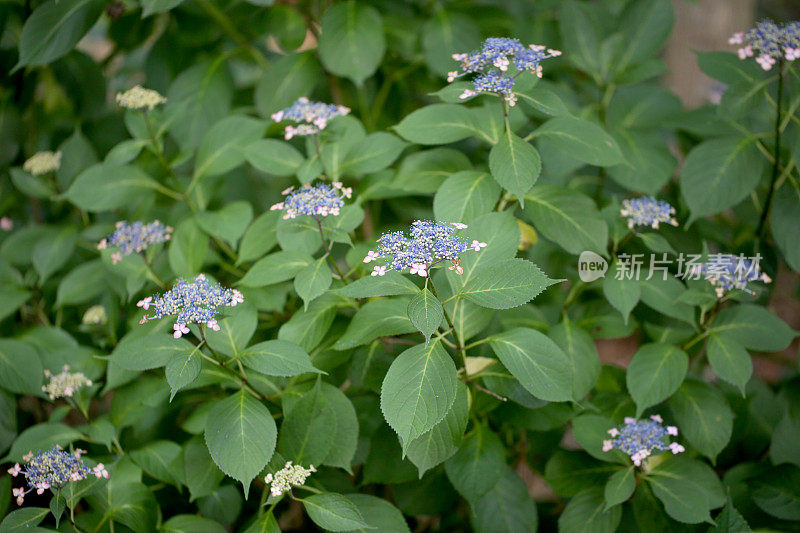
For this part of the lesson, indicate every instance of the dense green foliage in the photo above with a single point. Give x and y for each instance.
(470, 400)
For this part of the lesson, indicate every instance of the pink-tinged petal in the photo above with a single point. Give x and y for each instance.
(630, 420)
(613, 432)
(672, 430)
(607, 446)
(657, 418)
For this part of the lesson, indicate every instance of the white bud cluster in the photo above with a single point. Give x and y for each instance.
(290, 476)
(139, 98)
(95, 315)
(42, 163)
(65, 384)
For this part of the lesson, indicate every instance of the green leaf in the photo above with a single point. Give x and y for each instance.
(228, 223)
(379, 318)
(620, 487)
(568, 218)
(277, 358)
(334, 512)
(308, 328)
(720, 173)
(581, 139)
(81, 284)
(131, 504)
(515, 165)
(779, 495)
(646, 25)
(729, 520)
(351, 43)
(31, 185)
(688, 489)
(754, 327)
(379, 514)
(20, 368)
(785, 445)
(543, 100)
(655, 372)
(53, 250)
(418, 391)
(464, 196)
(507, 507)
(785, 210)
(158, 459)
(24, 520)
(41, 437)
(201, 475)
(275, 268)
(590, 431)
(536, 361)
(425, 312)
(182, 370)
(151, 7)
(580, 35)
(259, 238)
(649, 164)
(703, 417)
(445, 34)
(309, 426)
(506, 284)
(345, 438)
(222, 147)
(103, 187)
(392, 284)
(189, 523)
(375, 152)
(265, 524)
(241, 436)
(143, 352)
(53, 29)
(582, 354)
(236, 329)
(727, 68)
(663, 294)
(586, 512)
(729, 360)
(568, 473)
(478, 464)
(313, 280)
(441, 442)
(285, 80)
(274, 157)
(426, 170)
(187, 249)
(623, 294)
(438, 124)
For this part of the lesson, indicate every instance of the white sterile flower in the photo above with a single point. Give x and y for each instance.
(42, 163)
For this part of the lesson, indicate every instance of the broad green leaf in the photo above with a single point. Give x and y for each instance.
(729, 520)
(182, 370)
(688, 488)
(375, 152)
(277, 358)
(308, 328)
(663, 294)
(720, 173)
(12, 298)
(351, 43)
(189, 523)
(426, 170)
(103, 187)
(228, 223)
(779, 495)
(425, 312)
(20, 368)
(582, 354)
(313, 280)
(568, 218)
(24, 520)
(703, 417)
(41, 437)
(506, 284)
(581, 139)
(236, 329)
(655, 372)
(543, 100)
(507, 507)
(259, 238)
(568, 473)
(478, 464)
(345, 438)
(143, 352)
(441, 442)
(222, 148)
(130, 503)
(31, 185)
(586, 512)
(276, 267)
(285, 80)
(53, 251)
(590, 431)
(754, 327)
(274, 157)
(641, 107)
(81, 284)
(158, 459)
(515, 165)
(646, 24)
(392, 284)
(786, 210)
(53, 29)
(785, 443)
(334, 512)
(266, 524)
(620, 487)
(200, 472)
(241, 436)
(729, 360)
(151, 7)
(445, 34)
(438, 124)
(418, 391)
(580, 35)
(536, 361)
(378, 318)
(465, 196)
(649, 164)
(623, 294)
(379, 514)
(187, 249)
(309, 426)
(727, 68)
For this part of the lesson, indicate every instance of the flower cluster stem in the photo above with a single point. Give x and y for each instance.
(762, 223)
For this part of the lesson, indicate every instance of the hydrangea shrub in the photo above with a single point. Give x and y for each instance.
(386, 266)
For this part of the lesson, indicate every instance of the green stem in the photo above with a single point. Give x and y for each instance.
(762, 223)
(461, 349)
(328, 251)
(152, 272)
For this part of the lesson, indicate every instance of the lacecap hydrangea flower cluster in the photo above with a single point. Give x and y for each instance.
(640, 438)
(491, 64)
(140, 98)
(430, 243)
(319, 200)
(647, 211)
(65, 383)
(42, 162)
(311, 117)
(135, 237)
(289, 476)
(769, 42)
(195, 302)
(52, 469)
(727, 272)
